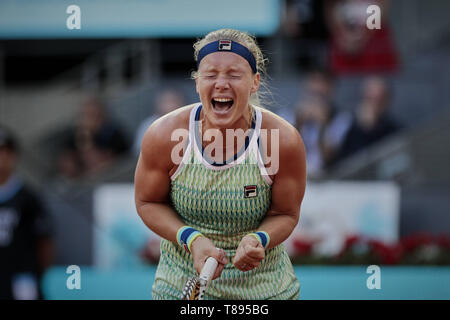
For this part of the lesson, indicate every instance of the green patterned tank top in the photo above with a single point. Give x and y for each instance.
(224, 202)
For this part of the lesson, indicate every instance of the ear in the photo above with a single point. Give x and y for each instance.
(256, 82)
(196, 84)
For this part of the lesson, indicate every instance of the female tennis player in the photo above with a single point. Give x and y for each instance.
(234, 199)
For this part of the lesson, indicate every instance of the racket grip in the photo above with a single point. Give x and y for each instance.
(208, 269)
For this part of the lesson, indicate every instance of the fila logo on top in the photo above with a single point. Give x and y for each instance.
(224, 45)
(250, 191)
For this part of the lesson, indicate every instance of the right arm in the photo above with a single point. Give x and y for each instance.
(152, 189)
(152, 185)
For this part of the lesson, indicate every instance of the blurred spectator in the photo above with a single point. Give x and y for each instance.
(320, 123)
(305, 32)
(25, 230)
(372, 121)
(304, 19)
(354, 47)
(93, 144)
(167, 101)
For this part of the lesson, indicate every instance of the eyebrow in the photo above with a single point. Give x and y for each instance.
(230, 69)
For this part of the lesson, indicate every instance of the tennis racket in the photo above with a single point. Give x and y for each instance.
(195, 287)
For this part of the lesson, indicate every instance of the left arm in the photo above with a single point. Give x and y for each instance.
(288, 189)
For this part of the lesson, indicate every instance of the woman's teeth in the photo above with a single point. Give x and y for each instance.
(222, 105)
(222, 99)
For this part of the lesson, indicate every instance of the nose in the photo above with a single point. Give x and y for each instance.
(222, 83)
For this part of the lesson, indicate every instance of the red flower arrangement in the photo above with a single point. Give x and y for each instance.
(420, 248)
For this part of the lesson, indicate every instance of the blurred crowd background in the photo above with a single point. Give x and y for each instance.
(371, 106)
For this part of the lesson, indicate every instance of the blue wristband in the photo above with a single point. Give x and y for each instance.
(186, 235)
(263, 237)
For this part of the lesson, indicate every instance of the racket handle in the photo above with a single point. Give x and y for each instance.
(208, 269)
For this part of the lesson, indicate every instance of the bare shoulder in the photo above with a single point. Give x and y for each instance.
(284, 149)
(158, 139)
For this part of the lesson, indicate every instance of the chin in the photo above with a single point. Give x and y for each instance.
(220, 122)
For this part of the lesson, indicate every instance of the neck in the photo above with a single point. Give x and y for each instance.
(242, 125)
(244, 122)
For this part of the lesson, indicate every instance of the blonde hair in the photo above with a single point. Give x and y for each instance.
(250, 43)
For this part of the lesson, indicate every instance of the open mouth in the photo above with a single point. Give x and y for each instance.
(222, 105)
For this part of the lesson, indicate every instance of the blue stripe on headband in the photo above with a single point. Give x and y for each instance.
(227, 45)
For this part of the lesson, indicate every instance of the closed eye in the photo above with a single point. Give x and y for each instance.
(212, 76)
(208, 75)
